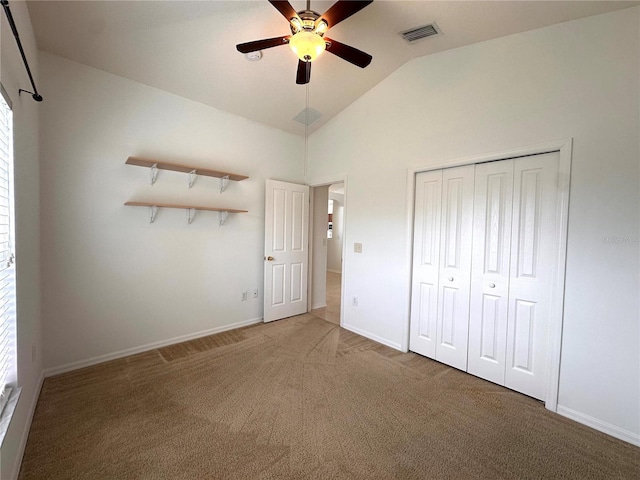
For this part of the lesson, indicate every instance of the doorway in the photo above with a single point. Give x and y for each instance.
(327, 251)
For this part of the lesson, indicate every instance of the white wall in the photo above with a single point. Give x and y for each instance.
(27, 207)
(554, 83)
(112, 281)
(334, 244)
(319, 251)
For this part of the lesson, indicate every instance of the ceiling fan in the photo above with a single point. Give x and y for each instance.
(307, 38)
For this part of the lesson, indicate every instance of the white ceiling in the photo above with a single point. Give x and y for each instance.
(188, 47)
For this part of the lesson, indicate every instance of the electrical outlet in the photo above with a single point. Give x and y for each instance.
(243, 297)
(355, 301)
(357, 247)
(254, 293)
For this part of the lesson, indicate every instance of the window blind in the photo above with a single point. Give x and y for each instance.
(7, 263)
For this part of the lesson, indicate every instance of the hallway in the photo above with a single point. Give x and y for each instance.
(331, 312)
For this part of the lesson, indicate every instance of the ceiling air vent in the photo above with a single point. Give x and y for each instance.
(418, 33)
(307, 116)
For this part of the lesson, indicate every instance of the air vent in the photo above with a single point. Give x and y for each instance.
(307, 116)
(415, 34)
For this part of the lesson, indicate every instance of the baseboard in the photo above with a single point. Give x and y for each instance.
(319, 305)
(372, 336)
(26, 429)
(68, 367)
(604, 427)
(334, 271)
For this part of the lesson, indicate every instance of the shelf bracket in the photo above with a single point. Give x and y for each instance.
(222, 217)
(224, 181)
(154, 173)
(192, 177)
(153, 210)
(191, 213)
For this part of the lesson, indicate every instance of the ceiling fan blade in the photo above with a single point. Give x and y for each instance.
(304, 72)
(343, 9)
(350, 54)
(285, 8)
(262, 44)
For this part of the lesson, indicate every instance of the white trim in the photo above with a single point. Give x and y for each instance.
(25, 431)
(411, 193)
(6, 97)
(557, 296)
(311, 246)
(333, 270)
(320, 182)
(319, 305)
(535, 149)
(564, 147)
(372, 336)
(68, 367)
(604, 427)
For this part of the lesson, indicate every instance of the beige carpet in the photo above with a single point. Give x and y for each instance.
(302, 399)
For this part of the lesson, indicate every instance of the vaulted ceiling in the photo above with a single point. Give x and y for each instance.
(188, 47)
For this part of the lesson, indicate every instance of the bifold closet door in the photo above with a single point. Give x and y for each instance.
(442, 264)
(485, 254)
(426, 255)
(456, 233)
(534, 254)
(490, 270)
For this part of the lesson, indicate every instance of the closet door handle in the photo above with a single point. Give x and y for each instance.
(492, 285)
(451, 279)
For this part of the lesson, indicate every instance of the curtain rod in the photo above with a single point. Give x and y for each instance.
(36, 96)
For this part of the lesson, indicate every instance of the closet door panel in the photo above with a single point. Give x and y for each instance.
(426, 257)
(455, 266)
(533, 257)
(490, 270)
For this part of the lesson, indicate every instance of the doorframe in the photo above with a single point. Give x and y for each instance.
(323, 182)
(565, 148)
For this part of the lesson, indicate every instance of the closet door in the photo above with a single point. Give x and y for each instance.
(534, 234)
(455, 266)
(490, 270)
(426, 251)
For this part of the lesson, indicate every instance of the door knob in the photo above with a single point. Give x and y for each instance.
(270, 258)
(451, 279)
(492, 285)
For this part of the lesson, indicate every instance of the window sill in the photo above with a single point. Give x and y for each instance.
(7, 413)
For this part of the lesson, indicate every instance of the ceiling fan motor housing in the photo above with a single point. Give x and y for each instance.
(308, 19)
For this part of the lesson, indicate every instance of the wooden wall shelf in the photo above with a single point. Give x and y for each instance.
(153, 206)
(178, 167)
(192, 171)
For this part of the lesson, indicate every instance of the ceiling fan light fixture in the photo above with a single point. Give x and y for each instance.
(322, 27)
(296, 25)
(307, 45)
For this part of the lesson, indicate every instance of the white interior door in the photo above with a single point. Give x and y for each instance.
(456, 227)
(286, 249)
(490, 270)
(534, 254)
(426, 251)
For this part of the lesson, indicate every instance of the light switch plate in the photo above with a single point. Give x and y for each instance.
(357, 247)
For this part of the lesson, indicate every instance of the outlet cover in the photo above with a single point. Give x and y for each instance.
(357, 247)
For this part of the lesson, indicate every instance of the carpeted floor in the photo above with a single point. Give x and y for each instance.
(302, 398)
